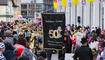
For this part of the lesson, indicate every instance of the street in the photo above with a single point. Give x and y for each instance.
(67, 56)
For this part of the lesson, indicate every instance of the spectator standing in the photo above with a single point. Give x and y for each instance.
(2, 49)
(84, 52)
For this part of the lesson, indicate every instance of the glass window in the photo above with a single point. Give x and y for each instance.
(24, 6)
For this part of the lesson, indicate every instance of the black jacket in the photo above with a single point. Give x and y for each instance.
(83, 53)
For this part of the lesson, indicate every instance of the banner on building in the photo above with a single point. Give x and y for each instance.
(64, 3)
(83, 2)
(60, 4)
(75, 2)
(69, 3)
(55, 4)
(53, 30)
(90, 0)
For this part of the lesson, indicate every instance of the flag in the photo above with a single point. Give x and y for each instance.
(100, 0)
(83, 2)
(64, 3)
(55, 4)
(90, 0)
(69, 3)
(60, 4)
(75, 2)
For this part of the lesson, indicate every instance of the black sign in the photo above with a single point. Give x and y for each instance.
(53, 29)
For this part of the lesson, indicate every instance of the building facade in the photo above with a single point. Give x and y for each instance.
(44, 5)
(91, 14)
(9, 10)
(27, 10)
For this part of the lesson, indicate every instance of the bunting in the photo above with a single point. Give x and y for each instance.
(83, 2)
(90, 0)
(101, 0)
(60, 4)
(64, 3)
(69, 3)
(75, 2)
(55, 4)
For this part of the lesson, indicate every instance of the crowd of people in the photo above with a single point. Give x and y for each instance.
(22, 40)
(86, 43)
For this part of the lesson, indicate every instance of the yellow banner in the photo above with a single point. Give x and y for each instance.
(90, 0)
(75, 2)
(64, 3)
(55, 4)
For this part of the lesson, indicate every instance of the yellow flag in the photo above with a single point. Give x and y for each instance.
(64, 3)
(55, 4)
(90, 0)
(75, 2)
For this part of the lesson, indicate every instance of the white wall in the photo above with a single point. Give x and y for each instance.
(86, 17)
(39, 1)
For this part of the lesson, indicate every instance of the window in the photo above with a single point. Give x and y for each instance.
(24, 6)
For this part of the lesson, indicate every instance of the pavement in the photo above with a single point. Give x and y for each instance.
(67, 56)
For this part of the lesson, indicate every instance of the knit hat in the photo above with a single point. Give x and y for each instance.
(2, 45)
(83, 40)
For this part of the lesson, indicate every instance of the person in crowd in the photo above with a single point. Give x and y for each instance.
(98, 31)
(103, 56)
(94, 44)
(9, 37)
(15, 36)
(10, 52)
(79, 36)
(84, 52)
(24, 58)
(2, 49)
(22, 49)
(67, 40)
(27, 35)
(49, 54)
(100, 39)
(61, 54)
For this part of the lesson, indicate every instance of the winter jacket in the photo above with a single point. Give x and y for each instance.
(28, 53)
(83, 53)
